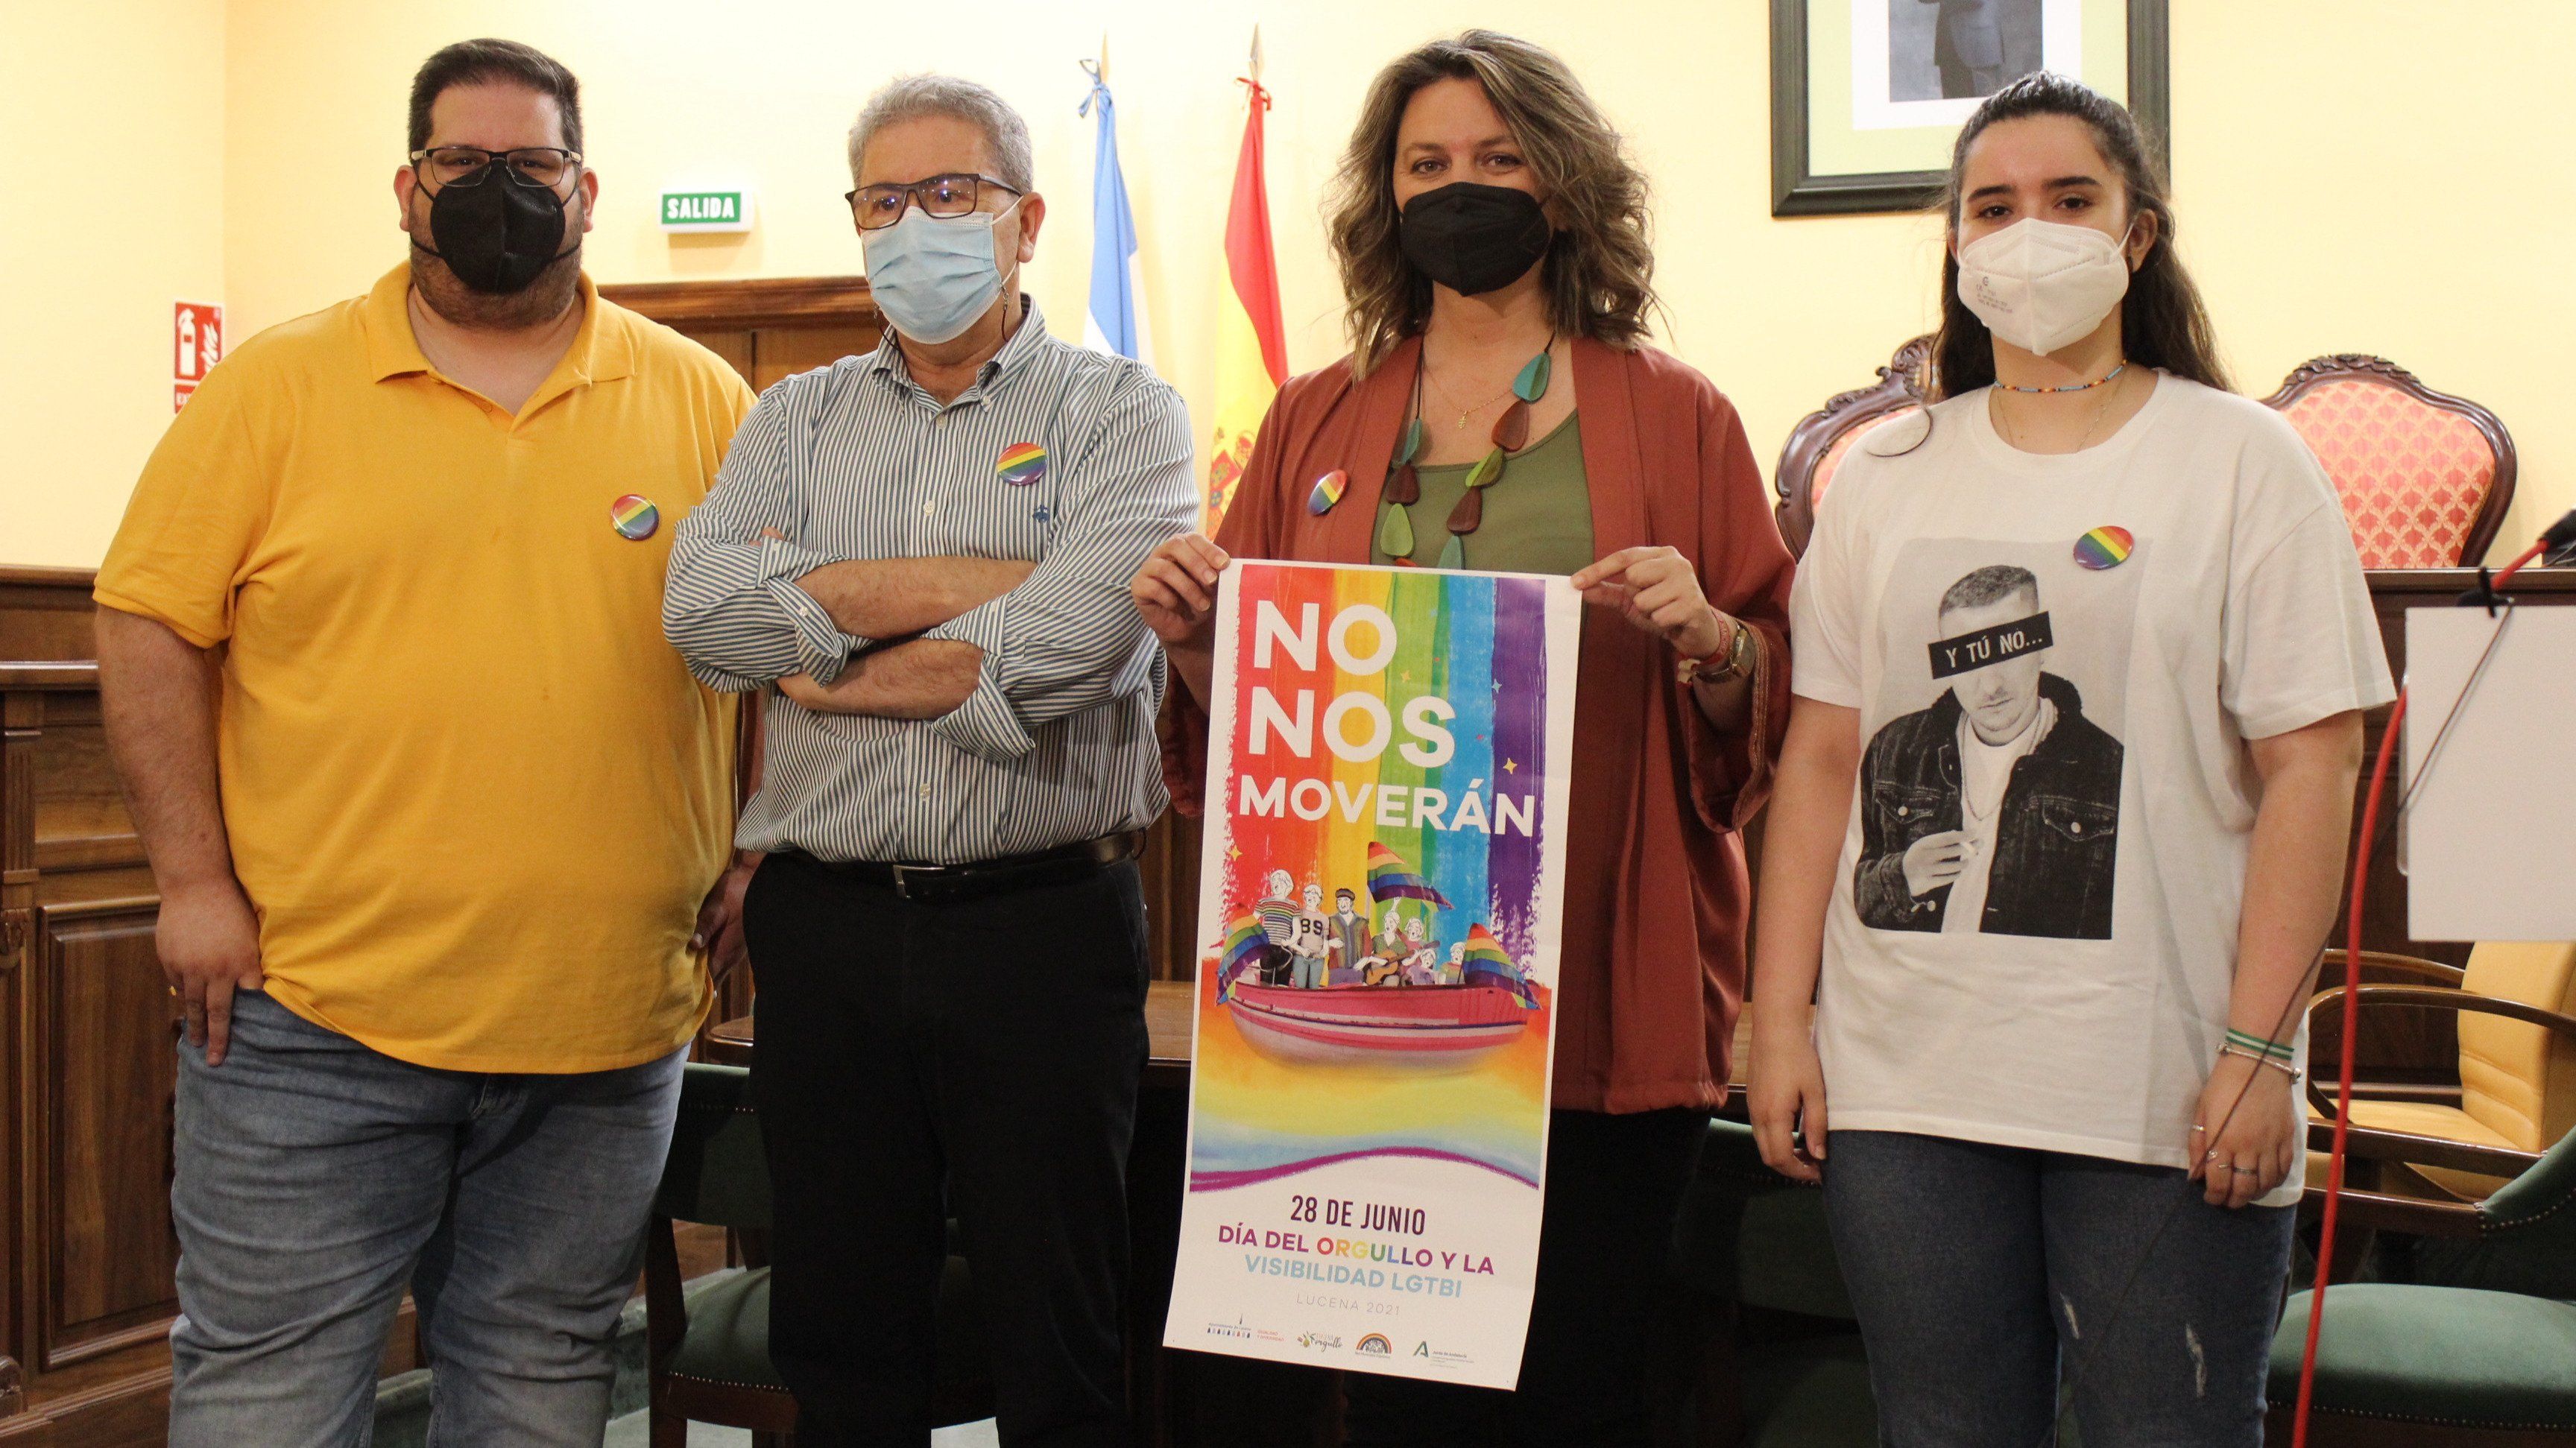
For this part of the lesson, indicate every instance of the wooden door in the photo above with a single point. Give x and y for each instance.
(768, 328)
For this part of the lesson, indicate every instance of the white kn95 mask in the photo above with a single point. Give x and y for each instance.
(2042, 284)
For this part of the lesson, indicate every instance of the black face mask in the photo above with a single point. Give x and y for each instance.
(1472, 238)
(495, 234)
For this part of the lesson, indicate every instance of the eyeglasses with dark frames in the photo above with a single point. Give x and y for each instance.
(536, 166)
(958, 193)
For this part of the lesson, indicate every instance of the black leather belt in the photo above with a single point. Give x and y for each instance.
(989, 877)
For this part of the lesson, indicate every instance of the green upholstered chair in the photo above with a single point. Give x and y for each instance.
(707, 1345)
(2477, 1346)
(1796, 1373)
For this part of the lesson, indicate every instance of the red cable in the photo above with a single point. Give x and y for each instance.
(2510, 569)
(2351, 1031)
(2343, 1098)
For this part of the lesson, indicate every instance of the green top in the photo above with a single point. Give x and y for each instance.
(1538, 514)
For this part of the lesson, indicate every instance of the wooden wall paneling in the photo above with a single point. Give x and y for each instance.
(782, 352)
(85, 1054)
(21, 720)
(45, 614)
(734, 345)
(766, 328)
(80, 819)
(102, 1073)
(753, 302)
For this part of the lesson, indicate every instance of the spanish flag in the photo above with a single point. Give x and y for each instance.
(1251, 346)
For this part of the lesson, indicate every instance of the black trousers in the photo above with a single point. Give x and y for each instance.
(916, 1060)
(1614, 1185)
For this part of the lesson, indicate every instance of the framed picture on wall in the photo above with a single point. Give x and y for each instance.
(1867, 95)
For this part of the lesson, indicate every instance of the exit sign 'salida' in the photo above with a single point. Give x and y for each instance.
(726, 210)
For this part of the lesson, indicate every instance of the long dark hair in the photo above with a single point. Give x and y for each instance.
(2162, 323)
(1599, 267)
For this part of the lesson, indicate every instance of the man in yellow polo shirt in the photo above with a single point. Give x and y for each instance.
(439, 820)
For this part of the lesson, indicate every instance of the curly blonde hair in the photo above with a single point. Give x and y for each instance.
(1599, 268)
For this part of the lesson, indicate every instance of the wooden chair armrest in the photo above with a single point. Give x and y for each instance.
(666, 1311)
(2396, 964)
(2431, 999)
(2379, 1211)
(2483, 1005)
(2377, 1144)
(2448, 1000)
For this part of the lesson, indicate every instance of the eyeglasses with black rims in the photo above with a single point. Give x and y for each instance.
(543, 167)
(958, 193)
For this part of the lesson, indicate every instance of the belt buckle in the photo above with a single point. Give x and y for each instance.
(905, 874)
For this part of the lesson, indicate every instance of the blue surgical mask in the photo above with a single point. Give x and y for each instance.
(933, 276)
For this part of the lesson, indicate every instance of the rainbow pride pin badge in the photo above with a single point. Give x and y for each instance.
(634, 517)
(2104, 547)
(1022, 463)
(1328, 491)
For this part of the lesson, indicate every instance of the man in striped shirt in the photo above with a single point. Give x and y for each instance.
(926, 550)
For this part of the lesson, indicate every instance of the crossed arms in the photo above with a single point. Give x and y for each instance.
(988, 648)
(899, 599)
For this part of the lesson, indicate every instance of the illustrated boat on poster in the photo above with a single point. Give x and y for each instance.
(1429, 1027)
(1437, 1027)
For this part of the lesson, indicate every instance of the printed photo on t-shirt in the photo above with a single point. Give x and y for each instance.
(1991, 786)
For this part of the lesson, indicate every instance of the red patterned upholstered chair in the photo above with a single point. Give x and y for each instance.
(2425, 477)
(1817, 444)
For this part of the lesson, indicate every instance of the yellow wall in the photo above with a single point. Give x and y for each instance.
(2348, 178)
(115, 111)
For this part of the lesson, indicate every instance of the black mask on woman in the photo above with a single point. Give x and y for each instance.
(1472, 238)
(496, 235)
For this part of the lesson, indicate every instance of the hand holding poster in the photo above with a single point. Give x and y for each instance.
(1381, 894)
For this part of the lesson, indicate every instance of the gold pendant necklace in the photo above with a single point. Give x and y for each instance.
(1445, 396)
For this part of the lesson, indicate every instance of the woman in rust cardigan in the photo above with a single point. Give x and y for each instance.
(1491, 239)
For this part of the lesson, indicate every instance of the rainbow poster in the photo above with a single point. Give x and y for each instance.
(1381, 890)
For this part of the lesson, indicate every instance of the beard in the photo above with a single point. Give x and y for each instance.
(539, 302)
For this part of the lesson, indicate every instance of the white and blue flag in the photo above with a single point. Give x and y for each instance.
(1115, 321)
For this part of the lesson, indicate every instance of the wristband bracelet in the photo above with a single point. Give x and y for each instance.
(2260, 1058)
(2262, 1046)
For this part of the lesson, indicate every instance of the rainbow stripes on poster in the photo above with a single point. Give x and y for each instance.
(1382, 885)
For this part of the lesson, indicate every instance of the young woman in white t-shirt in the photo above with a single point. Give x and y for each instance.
(2080, 660)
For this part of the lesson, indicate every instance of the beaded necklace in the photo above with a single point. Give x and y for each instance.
(1510, 435)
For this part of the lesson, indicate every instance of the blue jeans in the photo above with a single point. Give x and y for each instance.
(1975, 1269)
(316, 1178)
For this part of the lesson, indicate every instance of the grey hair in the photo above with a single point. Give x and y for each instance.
(911, 97)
